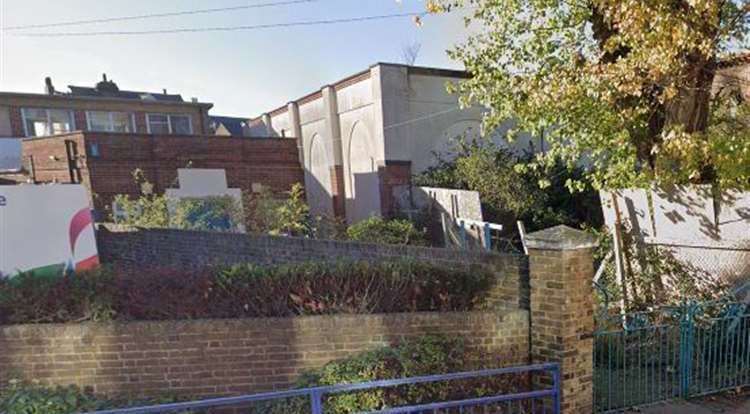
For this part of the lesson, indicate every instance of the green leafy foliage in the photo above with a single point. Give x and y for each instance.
(151, 210)
(378, 230)
(31, 398)
(426, 355)
(540, 197)
(242, 291)
(214, 213)
(625, 84)
(272, 214)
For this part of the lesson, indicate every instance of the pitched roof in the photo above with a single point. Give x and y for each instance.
(143, 96)
(234, 125)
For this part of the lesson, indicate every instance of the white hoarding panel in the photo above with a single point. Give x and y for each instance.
(46, 229)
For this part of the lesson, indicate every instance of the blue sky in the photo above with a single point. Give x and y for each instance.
(243, 72)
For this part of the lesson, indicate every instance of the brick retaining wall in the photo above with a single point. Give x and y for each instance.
(223, 357)
(178, 248)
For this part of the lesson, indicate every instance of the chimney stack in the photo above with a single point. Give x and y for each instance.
(165, 91)
(107, 85)
(49, 89)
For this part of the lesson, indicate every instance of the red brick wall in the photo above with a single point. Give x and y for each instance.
(110, 160)
(224, 357)
(339, 193)
(50, 159)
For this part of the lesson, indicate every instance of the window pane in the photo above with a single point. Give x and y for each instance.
(99, 121)
(180, 125)
(36, 122)
(61, 121)
(122, 122)
(158, 124)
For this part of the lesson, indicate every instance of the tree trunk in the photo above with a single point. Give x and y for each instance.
(690, 108)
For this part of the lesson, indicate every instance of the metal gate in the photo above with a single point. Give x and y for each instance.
(673, 352)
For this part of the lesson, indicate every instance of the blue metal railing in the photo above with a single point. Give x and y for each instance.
(546, 400)
(672, 352)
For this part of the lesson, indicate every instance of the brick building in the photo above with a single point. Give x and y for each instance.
(102, 108)
(98, 136)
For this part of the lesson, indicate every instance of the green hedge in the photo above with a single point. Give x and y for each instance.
(241, 291)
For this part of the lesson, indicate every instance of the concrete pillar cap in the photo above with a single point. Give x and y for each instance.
(560, 237)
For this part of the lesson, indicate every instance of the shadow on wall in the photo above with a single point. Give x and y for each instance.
(364, 202)
(703, 230)
(318, 198)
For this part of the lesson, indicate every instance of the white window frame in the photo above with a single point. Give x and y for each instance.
(111, 126)
(49, 119)
(169, 122)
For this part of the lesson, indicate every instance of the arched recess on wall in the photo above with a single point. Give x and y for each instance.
(318, 178)
(362, 181)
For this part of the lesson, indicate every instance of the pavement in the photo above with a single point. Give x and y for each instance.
(727, 404)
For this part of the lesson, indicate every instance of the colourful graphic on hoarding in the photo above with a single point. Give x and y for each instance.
(46, 230)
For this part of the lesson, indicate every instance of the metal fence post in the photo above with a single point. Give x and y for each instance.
(316, 402)
(556, 383)
(687, 328)
(487, 237)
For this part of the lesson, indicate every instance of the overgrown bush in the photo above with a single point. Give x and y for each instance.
(427, 355)
(541, 198)
(378, 230)
(279, 214)
(241, 291)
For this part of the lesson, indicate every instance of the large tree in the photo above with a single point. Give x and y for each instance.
(626, 84)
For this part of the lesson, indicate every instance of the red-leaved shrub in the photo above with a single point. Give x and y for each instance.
(241, 291)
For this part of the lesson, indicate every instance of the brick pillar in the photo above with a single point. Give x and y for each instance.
(561, 271)
(339, 196)
(392, 174)
(16, 122)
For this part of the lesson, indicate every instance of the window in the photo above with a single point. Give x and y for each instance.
(169, 124)
(110, 121)
(42, 122)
